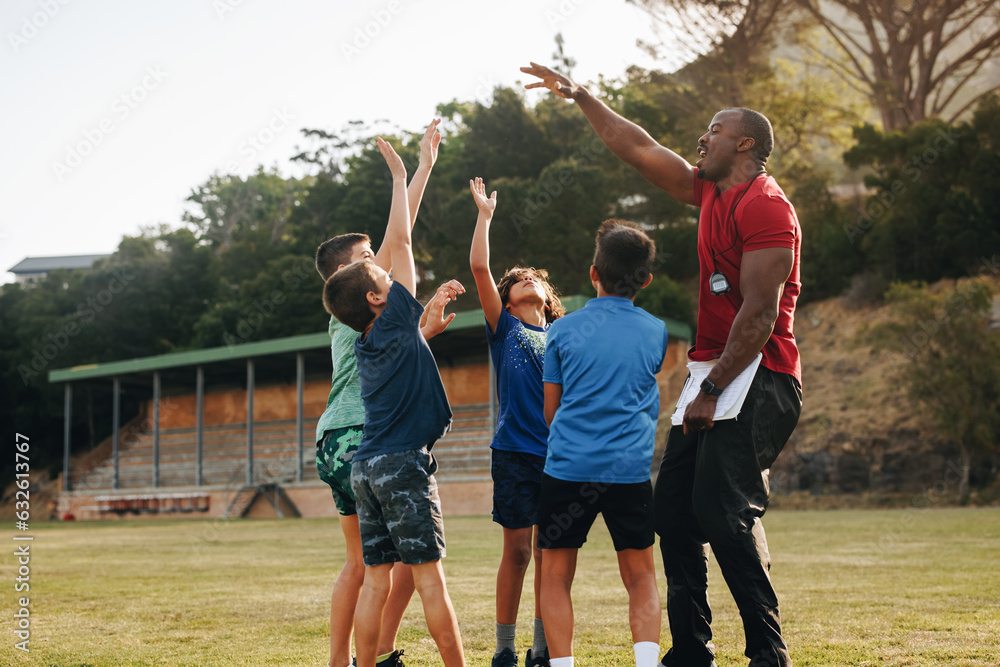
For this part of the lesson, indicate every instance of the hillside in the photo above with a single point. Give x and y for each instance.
(859, 433)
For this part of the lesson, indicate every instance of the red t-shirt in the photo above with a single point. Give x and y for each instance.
(764, 219)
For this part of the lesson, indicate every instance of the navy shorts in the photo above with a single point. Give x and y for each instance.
(517, 484)
(399, 510)
(334, 454)
(568, 510)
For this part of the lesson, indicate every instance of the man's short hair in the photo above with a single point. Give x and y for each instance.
(623, 258)
(755, 125)
(553, 306)
(345, 295)
(336, 251)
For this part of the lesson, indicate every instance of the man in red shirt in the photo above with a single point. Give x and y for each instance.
(712, 485)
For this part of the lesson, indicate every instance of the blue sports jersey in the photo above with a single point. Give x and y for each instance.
(405, 403)
(518, 350)
(606, 357)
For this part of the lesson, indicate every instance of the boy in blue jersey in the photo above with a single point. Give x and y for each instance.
(602, 403)
(518, 312)
(406, 412)
(339, 429)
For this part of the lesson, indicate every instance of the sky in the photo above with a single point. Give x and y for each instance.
(114, 111)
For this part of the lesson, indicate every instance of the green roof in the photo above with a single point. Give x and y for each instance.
(463, 320)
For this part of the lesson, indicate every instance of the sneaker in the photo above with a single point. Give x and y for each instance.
(540, 661)
(505, 658)
(395, 659)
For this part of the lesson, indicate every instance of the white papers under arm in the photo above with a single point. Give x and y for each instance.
(729, 403)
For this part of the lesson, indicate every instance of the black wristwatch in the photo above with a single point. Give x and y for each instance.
(709, 388)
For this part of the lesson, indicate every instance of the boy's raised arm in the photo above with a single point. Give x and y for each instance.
(479, 255)
(415, 191)
(397, 232)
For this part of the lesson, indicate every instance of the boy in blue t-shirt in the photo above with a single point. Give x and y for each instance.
(406, 412)
(339, 429)
(518, 312)
(602, 403)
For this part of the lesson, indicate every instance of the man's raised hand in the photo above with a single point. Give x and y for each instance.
(485, 204)
(429, 144)
(395, 163)
(553, 80)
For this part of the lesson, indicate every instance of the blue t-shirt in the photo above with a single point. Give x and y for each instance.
(518, 350)
(405, 403)
(606, 357)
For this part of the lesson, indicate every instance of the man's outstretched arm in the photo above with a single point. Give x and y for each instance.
(633, 145)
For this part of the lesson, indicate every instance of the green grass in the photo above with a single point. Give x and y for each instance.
(896, 587)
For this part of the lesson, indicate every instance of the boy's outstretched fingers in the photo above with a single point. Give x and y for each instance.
(429, 143)
(452, 288)
(478, 189)
(391, 158)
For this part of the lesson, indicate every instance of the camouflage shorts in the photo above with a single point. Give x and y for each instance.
(399, 510)
(333, 462)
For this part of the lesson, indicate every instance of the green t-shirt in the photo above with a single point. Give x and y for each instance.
(343, 407)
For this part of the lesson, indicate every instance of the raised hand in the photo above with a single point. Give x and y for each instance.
(452, 289)
(429, 144)
(434, 320)
(485, 204)
(395, 163)
(553, 80)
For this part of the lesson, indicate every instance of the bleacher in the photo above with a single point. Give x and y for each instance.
(462, 455)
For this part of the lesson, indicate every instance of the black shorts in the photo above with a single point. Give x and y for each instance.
(567, 511)
(517, 484)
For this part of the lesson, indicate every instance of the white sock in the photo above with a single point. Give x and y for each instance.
(561, 662)
(647, 654)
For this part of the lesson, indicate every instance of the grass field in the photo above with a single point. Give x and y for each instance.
(899, 587)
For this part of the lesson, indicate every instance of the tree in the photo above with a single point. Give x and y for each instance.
(913, 59)
(949, 361)
(937, 196)
(727, 42)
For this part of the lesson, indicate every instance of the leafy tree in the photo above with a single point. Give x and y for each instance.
(667, 298)
(726, 42)
(912, 60)
(949, 360)
(829, 259)
(938, 196)
(244, 220)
